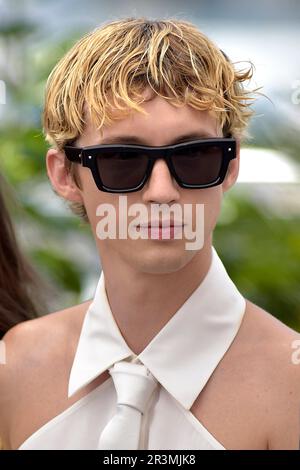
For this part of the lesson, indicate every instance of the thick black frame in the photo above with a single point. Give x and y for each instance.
(87, 157)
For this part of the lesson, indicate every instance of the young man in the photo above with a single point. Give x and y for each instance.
(168, 354)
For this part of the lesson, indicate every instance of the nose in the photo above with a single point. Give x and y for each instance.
(161, 187)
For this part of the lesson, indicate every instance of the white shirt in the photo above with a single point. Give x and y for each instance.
(182, 357)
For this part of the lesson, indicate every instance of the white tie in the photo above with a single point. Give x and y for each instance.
(134, 385)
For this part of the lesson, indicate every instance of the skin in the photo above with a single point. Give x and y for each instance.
(252, 399)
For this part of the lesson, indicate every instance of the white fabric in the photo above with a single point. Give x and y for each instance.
(134, 385)
(181, 357)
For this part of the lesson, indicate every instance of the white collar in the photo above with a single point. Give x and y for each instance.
(184, 353)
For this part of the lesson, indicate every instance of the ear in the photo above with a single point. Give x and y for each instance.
(60, 177)
(233, 170)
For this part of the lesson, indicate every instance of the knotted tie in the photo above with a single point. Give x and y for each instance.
(134, 385)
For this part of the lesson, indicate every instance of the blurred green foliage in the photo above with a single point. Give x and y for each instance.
(260, 250)
(43, 232)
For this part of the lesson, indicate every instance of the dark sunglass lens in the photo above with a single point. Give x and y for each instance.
(122, 170)
(198, 164)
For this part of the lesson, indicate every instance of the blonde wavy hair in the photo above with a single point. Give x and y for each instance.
(108, 69)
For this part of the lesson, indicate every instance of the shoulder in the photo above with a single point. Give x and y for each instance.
(274, 340)
(32, 346)
(275, 349)
(268, 331)
(41, 335)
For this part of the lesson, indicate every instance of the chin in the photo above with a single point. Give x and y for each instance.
(162, 261)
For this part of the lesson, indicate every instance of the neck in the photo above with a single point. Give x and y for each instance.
(143, 303)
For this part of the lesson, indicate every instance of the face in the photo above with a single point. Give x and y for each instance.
(163, 125)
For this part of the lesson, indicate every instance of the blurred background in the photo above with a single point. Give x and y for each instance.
(258, 235)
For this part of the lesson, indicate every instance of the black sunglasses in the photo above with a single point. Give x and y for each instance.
(121, 168)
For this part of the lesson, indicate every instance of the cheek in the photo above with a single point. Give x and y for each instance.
(211, 199)
(91, 195)
(93, 198)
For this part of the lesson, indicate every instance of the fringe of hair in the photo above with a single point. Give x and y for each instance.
(109, 68)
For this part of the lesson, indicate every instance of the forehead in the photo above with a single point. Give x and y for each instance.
(162, 123)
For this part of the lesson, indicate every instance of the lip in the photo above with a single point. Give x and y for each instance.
(165, 224)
